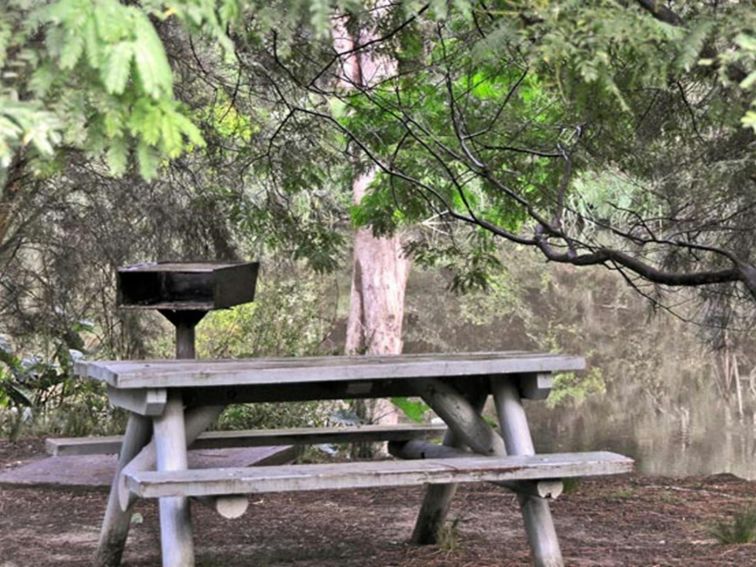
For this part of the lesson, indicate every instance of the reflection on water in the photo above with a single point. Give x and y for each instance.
(699, 434)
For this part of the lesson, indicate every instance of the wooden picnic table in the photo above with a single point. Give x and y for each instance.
(172, 402)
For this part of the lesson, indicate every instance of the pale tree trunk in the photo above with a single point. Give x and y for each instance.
(379, 272)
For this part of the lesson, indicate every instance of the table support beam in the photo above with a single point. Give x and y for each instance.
(438, 497)
(539, 524)
(196, 420)
(115, 525)
(175, 522)
(462, 417)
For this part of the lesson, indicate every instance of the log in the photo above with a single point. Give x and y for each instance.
(438, 497)
(461, 417)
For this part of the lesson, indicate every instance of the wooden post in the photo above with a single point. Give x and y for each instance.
(438, 497)
(175, 522)
(170, 452)
(461, 416)
(196, 421)
(535, 511)
(115, 525)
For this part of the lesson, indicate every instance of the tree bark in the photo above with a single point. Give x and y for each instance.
(379, 272)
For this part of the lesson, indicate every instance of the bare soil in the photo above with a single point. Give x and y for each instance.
(631, 520)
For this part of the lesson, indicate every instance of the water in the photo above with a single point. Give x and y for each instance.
(700, 434)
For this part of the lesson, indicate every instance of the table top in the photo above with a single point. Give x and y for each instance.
(293, 370)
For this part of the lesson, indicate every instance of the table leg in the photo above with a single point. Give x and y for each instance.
(535, 510)
(115, 525)
(175, 522)
(438, 497)
(196, 421)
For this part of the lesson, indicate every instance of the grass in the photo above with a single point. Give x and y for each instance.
(741, 528)
(448, 537)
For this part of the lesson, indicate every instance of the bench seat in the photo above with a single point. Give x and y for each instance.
(225, 481)
(260, 438)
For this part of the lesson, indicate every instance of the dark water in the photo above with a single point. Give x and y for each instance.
(698, 435)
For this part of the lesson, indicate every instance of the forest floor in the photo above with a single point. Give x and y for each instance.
(629, 520)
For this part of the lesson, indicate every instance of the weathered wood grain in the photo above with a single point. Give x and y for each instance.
(176, 545)
(259, 438)
(539, 525)
(418, 449)
(194, 422)
(438, 497)
(142, 402)
(115, 525)
(461, 416)
(209, 482)
(184, 373)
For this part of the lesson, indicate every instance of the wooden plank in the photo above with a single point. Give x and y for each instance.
(259, 438)
(210, 482)
(183, 373)
(142, 402)
(417, 449)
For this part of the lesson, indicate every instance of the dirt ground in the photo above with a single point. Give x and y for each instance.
(631, 520)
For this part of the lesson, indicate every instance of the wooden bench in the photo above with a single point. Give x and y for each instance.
(285, 478)
(174, 402)
(259, 438)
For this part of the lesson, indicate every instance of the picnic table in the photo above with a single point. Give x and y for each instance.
(171, 403)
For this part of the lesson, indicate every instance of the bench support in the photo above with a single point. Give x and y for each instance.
(535, 511)
(195, 422)
(115, 526)
(175, 522)
(438, 497)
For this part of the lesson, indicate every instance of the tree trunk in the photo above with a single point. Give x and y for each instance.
(379, 274)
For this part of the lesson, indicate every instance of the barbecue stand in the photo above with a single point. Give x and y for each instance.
(183, 292)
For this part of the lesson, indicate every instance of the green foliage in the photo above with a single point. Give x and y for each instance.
(287, 318)
(576, 387)
(273, 415)
(41, 393)
(414, 409)
(740, 529)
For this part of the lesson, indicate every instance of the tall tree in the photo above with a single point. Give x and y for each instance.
(379, 265)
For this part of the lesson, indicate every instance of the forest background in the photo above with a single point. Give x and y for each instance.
(448, 147)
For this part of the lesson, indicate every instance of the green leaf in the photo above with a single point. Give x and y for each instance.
(115, 73)
(415, 410)
(188, 129)
(170, 136)
(151, 61)
(117, 157)
(71, 51)
(149, 160)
